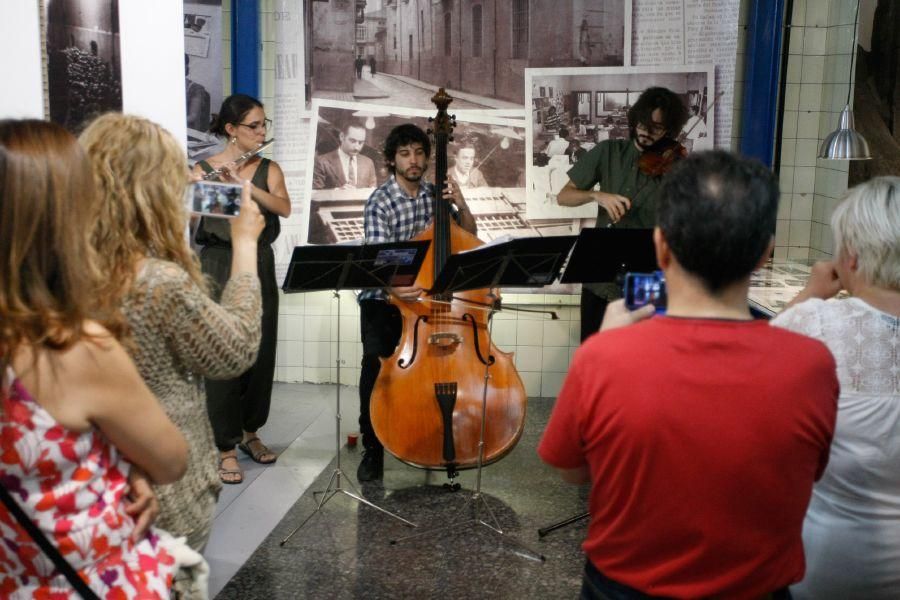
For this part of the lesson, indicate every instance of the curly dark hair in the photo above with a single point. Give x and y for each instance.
(404, 135)
(675, 114)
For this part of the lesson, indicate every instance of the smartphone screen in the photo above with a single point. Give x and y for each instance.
(645, 288)
(213, 198)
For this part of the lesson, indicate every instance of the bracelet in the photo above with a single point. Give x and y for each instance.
(463, 209)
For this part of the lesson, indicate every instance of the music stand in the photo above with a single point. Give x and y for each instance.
(524, 262)
(337, 267)
(602, 255)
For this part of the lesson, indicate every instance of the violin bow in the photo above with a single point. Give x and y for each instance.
(683, 135)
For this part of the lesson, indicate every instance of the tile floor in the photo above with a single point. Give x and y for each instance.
(347, 550)
(301, 430)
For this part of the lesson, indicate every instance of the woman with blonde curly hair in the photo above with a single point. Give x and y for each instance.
(180, 335)
(74, 412)
(851, 534)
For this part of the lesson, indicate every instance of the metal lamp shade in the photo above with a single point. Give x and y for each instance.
(845, 143)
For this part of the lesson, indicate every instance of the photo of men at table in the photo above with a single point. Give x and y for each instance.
(485, 158)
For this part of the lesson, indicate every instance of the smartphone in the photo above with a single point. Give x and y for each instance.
(214, 198)
(645, 288)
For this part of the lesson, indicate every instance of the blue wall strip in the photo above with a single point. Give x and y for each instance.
(245, 47)
(762, 79)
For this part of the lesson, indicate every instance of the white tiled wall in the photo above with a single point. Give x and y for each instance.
(818, 73)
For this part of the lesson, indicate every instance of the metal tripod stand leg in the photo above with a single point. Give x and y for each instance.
(334, 486)
(476, 500)
(573, 519)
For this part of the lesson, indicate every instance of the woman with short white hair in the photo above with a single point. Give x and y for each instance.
(851, 534)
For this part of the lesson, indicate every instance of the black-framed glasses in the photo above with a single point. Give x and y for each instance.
(266, 124)
(654, 128)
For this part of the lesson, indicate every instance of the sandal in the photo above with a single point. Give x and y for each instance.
(230, 476)
(258, 451)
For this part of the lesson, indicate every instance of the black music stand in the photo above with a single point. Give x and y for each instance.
(524, 262)
(337, 267)
(602, 255)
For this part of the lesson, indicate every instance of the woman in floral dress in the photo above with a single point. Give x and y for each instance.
(80, 433)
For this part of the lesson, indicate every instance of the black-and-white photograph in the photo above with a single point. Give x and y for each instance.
(573, 110)
(398, 53)
(486, 158)
(84, 69)
(202, 73)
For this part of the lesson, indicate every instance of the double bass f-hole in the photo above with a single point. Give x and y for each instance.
(446, 339)
(468, 317)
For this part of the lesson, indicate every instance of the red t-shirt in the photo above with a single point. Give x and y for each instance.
(703, 438)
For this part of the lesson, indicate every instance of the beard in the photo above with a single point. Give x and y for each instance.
(414, 177)
(644, 141)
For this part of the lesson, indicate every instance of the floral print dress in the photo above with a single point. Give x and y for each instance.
(73, 486)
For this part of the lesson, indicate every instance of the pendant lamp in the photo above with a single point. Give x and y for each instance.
(845, 143)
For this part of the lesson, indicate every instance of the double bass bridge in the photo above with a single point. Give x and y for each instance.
(444, 339)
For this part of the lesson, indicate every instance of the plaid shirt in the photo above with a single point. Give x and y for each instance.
(392, 216)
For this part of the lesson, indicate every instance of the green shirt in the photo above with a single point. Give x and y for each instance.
(614, 165)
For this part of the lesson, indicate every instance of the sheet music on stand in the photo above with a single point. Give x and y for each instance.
(602, 254)
(338, 267)
(521, 262)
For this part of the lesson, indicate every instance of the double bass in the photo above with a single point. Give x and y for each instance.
(426, 406)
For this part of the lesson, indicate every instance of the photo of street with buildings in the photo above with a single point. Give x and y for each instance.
(398, 52)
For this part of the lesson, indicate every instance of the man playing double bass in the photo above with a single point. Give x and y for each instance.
(395, 212)
(627, 195)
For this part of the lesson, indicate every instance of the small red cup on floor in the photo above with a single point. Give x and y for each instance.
(352, 439)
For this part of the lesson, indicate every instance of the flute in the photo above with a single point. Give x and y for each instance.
(215, 174)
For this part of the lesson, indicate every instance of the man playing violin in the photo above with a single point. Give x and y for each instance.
(395, 212)
(627, 195)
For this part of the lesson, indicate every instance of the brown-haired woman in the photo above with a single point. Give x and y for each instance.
(75, 413)
(239, 407)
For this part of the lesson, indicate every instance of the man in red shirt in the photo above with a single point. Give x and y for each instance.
(701, 431)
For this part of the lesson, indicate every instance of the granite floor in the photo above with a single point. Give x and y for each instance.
(346, 550)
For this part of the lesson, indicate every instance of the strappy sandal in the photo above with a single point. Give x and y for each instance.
(261, 452)
(230, 476)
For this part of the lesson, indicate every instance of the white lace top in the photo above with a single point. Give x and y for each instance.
(852, 527)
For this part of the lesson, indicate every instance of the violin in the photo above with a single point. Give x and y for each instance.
(447, 398)
(658, 159)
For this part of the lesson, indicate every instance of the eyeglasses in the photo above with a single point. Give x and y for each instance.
(654, 128)
(266, 124)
